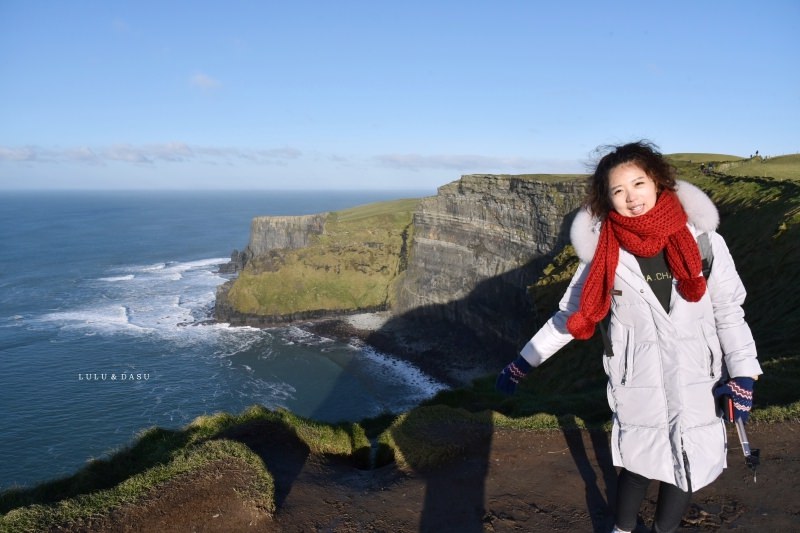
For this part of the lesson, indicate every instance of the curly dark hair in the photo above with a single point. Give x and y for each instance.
(644, 155)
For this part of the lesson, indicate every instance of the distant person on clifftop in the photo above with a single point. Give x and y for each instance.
(675, 341)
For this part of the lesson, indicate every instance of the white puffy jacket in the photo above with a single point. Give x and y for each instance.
(665, 365)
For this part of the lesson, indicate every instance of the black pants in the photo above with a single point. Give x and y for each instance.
(631, 489)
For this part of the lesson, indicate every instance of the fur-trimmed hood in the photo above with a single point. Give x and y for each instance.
(702, 213)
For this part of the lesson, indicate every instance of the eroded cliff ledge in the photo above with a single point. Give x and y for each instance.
(268, 233)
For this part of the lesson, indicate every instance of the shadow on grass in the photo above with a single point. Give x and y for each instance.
(155, 447)
(449, 449)
(278, 446)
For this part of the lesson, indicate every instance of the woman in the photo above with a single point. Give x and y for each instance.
(674, 336)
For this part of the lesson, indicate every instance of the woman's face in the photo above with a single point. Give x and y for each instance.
(632, 192)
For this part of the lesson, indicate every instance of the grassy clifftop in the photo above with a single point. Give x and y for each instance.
(780, 167)
(352, 265)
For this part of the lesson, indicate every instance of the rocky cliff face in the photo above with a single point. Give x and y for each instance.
(276, 233)
(479, 243)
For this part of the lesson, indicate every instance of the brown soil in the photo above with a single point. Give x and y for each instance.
(514, 481)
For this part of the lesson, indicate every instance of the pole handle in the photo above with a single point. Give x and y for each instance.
(727, 408)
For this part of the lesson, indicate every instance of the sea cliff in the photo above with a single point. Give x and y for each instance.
(456, 271)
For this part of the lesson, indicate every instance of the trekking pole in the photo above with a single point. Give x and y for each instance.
(751, 456)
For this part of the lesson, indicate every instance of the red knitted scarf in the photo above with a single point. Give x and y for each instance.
(663, 226)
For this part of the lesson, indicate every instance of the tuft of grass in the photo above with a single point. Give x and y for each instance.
(777, 414)
(430, 436)
(345, 439)
(539, 421)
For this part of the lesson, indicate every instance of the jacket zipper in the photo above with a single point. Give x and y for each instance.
(711, 369)
(625, 370)
(686, 467)
(628, 349)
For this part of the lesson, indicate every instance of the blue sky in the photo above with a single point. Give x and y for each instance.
(380, 95)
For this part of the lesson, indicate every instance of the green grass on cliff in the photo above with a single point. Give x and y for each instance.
(352, 265)
(704, 158)
(41, 512)
(160, 455)
(779, 167)
(782, 167)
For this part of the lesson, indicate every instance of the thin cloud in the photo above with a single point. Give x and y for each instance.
(204, 81)
(149, 154)
(475, 163)
(82, 154)
(20, 154)
(275, 154)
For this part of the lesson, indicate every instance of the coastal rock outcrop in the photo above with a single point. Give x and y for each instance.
(269, 233)
(283, 232)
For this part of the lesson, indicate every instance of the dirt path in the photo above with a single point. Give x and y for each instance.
(515, 481)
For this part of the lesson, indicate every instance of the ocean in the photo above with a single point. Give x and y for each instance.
(105, 300)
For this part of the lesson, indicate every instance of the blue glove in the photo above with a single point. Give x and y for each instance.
(740, 390)
(511, 375)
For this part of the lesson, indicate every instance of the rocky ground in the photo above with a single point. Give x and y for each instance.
(511, 480)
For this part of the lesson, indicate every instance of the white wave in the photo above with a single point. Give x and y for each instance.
(203, 263)
(126, 277)
(425, 385)
(271, 394)
(297, 335)
(150, 268)
(100, 319)
(171, 299)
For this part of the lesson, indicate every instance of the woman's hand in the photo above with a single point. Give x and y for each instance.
(511, 375)
(740, 391)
